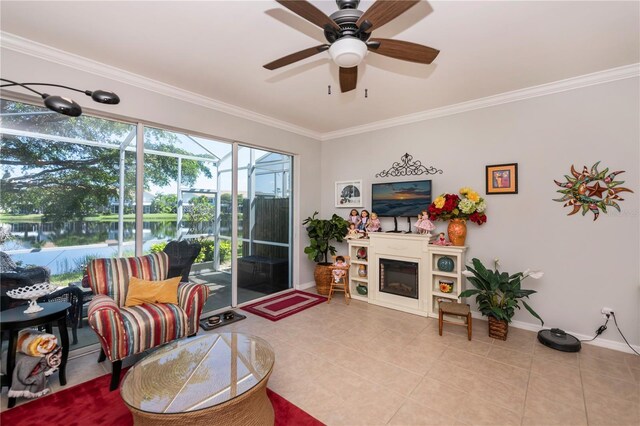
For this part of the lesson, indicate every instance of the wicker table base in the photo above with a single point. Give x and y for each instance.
(216, 378)
(252, 408)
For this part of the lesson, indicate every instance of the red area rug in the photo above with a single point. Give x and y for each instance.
(284, 305)
(91, 403)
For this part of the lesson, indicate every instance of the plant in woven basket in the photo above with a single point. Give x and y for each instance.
(321, 233)
(498, 294)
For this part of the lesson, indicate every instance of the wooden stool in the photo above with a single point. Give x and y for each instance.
(454, 308)
(342, 283)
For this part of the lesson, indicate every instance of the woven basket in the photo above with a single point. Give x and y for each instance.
(322, 275)
(498, 329)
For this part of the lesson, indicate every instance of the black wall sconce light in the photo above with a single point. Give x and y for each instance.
(62, 105)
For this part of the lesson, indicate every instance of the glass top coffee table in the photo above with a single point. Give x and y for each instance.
(215, 378)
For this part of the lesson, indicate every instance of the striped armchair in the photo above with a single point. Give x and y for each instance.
(125, 331)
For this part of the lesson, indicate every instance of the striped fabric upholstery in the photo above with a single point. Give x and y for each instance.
(111, 276)
(191, 298)
(105, 319)
(151, 325)
(125, 331)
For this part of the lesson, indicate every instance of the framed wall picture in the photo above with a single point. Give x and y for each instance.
(502, 179)
(349, 194)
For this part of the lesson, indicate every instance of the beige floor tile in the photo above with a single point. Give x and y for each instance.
(592, 351)
(477, 411)
(473, 346)
(632, 360)
(635, 372)
(612, 410)
(618, 369)
(556, 370)
(453, 376)
(515, 376)
(605, 386)
(417, 361)
(415, 414)
(439, 396)
(544, 353)
(510, 357)
(544, 409)
(517, 342)
(390, 376)
(556, 389)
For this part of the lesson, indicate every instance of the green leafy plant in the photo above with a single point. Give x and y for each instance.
(321, 232)
(497, 293)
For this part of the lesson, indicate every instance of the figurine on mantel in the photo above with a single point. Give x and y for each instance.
(353, 233)
(354, 217)
(364, 220)
(374, 223)
(441, 240)
(424, 226)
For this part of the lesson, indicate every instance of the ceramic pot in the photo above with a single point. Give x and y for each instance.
(445, 264)
(362, 289)
(362, 271)
(457, 231)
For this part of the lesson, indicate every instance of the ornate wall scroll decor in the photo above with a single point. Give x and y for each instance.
(583, 190)
(407, 167)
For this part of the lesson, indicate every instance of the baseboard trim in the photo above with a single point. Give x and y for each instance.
(304, 286)
(603, 343)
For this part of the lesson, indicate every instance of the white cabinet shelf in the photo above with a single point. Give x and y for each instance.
(354, 278)
(441, 280)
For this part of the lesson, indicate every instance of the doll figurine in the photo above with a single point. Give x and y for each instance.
(353, 232)
(364, 220)
(339, 269)
(441, 241)
(354, 217)
(424, 225)
(374, 223)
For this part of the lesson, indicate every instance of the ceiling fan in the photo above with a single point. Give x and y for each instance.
(348, 32)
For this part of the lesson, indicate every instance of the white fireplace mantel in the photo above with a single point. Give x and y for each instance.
(414, 248)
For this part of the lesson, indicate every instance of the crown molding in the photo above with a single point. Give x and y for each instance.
(51, 54)
(600, 77)
(48, 53)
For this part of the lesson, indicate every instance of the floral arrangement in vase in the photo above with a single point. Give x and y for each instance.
(468, 205)
(458, 209)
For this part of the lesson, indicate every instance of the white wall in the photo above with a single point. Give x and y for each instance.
(587, 264)
(150, 106)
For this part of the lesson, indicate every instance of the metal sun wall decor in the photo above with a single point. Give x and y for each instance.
(407, 167)
(583, 190)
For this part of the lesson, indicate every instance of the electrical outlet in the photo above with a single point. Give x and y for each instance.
(606, 311)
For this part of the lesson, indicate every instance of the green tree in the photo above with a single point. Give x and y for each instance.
(165, 203)
(65, 180)
(200, 213)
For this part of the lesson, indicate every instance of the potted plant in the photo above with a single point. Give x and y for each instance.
(498, 295)
(321, 233)
(457, 209)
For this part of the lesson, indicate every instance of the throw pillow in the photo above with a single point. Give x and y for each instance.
(143, 291)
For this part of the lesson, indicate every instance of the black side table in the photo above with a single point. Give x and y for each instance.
(15, 320)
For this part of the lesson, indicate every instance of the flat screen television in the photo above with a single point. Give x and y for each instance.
(400, 199)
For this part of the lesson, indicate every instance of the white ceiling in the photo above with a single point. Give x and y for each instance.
(217, 49)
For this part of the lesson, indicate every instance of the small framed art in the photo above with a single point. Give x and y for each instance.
(349, 194)
(502, 179)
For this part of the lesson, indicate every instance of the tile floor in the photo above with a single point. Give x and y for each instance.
(365, 365)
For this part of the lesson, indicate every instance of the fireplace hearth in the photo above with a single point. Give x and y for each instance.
(399, 278)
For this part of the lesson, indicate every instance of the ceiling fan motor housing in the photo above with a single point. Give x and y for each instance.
(346, 20)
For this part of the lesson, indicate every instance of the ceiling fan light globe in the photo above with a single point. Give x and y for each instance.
(348, 52)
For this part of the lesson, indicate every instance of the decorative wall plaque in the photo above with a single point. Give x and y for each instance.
(407, 167)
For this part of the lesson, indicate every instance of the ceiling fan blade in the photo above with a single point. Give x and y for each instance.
(403, 50)
(348, 79)
(384, 11)
(309, 12)
(295, 57)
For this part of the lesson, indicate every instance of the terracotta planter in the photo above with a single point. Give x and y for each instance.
(498, 329)
(457, 231)
(322, 276)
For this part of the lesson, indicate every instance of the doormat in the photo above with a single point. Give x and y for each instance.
(219, 320)
(284, 305)
(91, 403)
